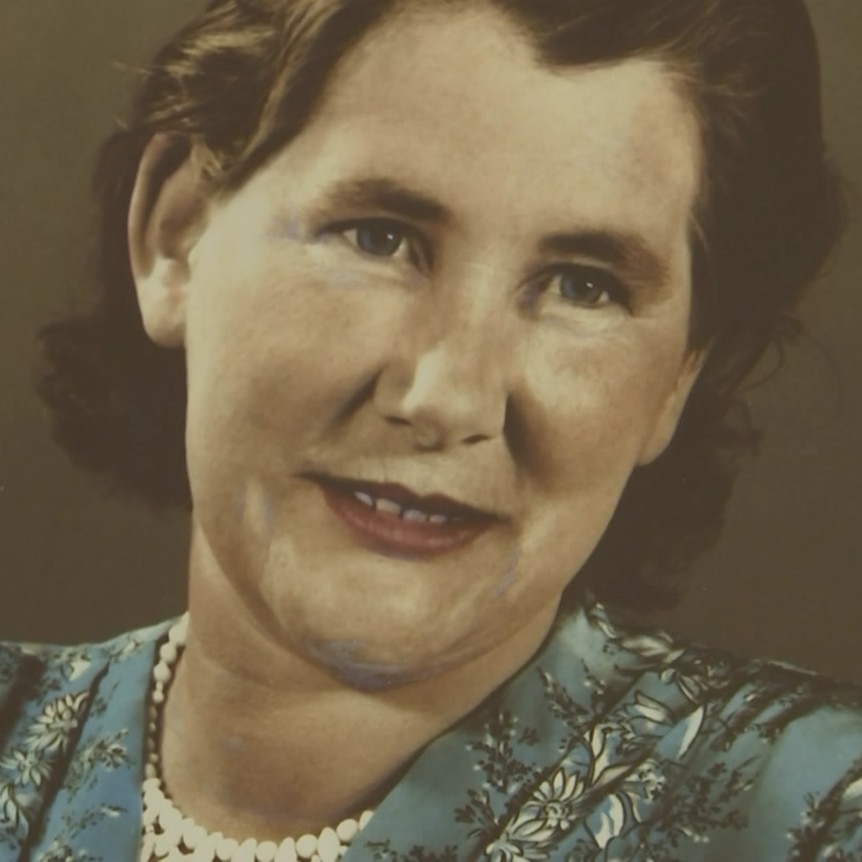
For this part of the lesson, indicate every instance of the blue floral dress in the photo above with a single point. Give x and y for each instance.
(613, 743)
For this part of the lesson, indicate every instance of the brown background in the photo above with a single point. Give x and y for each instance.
(785, 580)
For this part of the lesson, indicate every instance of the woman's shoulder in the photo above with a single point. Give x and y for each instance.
(55, 685)
(617, 651)
(651, 745)
(624, 667)
(71, 719)
(46, 667)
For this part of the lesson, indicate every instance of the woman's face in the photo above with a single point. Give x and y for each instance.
(430, 341)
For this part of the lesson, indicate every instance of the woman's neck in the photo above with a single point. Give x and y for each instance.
(259, 741)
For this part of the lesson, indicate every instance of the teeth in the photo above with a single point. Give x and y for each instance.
(414, 515)
(365, 499)
(392, 508)
(388, 506)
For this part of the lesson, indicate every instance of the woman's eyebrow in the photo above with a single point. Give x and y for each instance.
(386, 195)
(625, 250)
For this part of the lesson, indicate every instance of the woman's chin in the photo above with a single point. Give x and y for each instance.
(368, 670)
(380, 652)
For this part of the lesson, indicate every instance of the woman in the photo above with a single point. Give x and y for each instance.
(421, 399)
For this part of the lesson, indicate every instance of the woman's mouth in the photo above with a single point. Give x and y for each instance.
(392, 520)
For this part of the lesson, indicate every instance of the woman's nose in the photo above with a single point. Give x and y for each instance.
(447, 378)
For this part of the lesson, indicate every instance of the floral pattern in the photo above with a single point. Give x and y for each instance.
(614, 743)
(60, 751)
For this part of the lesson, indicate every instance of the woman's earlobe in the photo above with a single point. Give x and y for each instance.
(166, 213)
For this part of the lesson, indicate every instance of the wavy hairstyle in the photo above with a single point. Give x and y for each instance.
(240, 82)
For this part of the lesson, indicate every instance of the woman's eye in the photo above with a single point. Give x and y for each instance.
(588, 286)
(379, 238)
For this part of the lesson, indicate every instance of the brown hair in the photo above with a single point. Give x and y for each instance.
(240, 82)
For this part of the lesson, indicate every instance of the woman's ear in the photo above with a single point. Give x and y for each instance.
(166, 214)
(671, 409)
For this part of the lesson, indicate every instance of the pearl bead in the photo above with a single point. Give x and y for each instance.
(172, 836)
(210, 844)
(170, 819)
(286, 851)
(168, 653)
(163, 844)
(328, 845)
(192, 833)
(266, 851)
(225, 849)
(203, 853)
(347, 830)
(305, 846)
(147, 847)
(178, 632)
(365, 819)
(246, 851)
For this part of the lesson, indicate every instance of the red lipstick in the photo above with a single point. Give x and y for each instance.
(392, 520)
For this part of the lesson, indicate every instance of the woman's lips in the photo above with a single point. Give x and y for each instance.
(389, 533)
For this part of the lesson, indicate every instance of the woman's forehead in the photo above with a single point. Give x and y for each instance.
(458, 110)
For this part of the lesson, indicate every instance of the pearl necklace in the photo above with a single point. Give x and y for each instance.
(169, 836)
